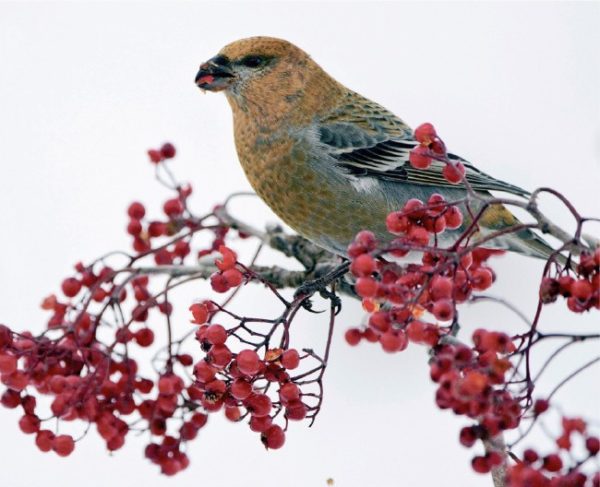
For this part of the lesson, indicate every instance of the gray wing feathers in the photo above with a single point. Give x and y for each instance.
(378, 145)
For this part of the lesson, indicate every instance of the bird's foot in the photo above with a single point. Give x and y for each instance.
(309, 288)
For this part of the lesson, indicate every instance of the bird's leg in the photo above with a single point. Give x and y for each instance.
(306, 290)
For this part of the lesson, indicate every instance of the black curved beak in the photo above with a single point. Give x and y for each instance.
(215, 74)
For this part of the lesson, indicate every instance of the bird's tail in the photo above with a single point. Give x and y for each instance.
(530, 244)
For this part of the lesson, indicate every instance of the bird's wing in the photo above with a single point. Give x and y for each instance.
(366, 140)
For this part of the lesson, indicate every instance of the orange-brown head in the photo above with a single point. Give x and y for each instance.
(265, 74)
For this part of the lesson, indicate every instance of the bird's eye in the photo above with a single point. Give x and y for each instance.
(253, 61)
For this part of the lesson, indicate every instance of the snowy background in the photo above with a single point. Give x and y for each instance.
(85, 89)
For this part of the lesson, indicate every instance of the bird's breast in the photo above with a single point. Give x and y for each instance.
(287, 174)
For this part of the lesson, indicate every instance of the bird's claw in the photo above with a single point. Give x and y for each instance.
(309, 288)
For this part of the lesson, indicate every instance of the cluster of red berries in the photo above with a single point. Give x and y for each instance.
(228, 276)
(79, 362)
(470, 383)
(582, 291)
(147, 233)
(238, 383)
(86, 384)
(166, 151)
(431, 148)
(144, 231)
(552, 470)
(471, 380)
(87, 365)
(435, 285)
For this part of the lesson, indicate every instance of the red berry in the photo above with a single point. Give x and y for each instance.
(5, 337)
(437, 204)
(364, 242)
(441, 288)
(199, 419)
(437, 145)
(290, 359)
(173, 207)
(454, 173)
(273, 438)
(380, 321)
(185, 359)
(10, 399)
(233, 277)
(63, 445)
(540, 406)
(219, 283)
(240, 389)
(495, 459)
(396, 222)
(156, 229)
(419, 157)
(170, 384)
(363, 266)
(229, 258)
(296, 411)
(29, 424)
(418, 236)
(199, 312)
(453, 217)
(581, 290)
(216, 335)
(473, 383)
(181, 248)
(467, 436)
(393, 341)
(443, 310)
(549, 289)
(593, 445)
(8, 364)
(552, 463)
(233, 413)
(259, 404)
(204, 372)
(136, 210)
(155, 156)
(480, 464)
(424, 133)
(353, 336)
(424, 333)
(248, 362)
(260, 424)
(530, 456)
(134, 227)
(71, 287)
(144, 337)
(220, 355)
(167, 150)
(44, 439)
(482, 278)
(366, 287)
(414, 209)
(289, 392)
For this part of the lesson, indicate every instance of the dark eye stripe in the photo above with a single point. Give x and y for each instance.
(252, 61)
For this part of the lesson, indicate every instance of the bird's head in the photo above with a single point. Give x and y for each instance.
(260, 70)
(240, 64)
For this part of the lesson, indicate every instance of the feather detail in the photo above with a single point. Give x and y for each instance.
(366, 140)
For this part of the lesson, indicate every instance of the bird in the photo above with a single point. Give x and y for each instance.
(329, 161)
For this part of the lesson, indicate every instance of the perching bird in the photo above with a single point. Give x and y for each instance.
(328, 161)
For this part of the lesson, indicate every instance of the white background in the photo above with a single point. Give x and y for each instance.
(85, 89)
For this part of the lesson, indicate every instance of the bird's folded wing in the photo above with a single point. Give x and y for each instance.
(372, 142)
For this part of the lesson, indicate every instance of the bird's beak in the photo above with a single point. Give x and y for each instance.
(215, 74)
